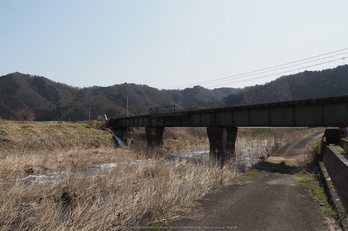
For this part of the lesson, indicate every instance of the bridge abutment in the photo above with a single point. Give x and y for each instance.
(154, 136)
(222, 143)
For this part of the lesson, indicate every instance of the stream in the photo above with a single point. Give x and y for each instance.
(247, 156)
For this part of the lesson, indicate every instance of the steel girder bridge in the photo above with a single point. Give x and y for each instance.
(222, 123)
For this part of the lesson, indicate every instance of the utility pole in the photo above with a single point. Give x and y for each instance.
(127, 102)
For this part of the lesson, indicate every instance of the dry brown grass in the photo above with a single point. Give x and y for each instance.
(36, 147)
(20, 164)
(25, 135)
(111, 198)
(136, 190)
(185, 139)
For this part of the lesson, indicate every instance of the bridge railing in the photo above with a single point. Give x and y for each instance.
(163, 110)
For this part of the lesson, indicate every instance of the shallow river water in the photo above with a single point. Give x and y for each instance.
(247, 155)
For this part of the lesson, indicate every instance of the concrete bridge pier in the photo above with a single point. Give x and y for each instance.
(154, 136)
(222, 143)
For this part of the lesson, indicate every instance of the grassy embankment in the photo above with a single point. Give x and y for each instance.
(107, 198)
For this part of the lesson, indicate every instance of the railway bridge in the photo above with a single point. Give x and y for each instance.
(222, 123)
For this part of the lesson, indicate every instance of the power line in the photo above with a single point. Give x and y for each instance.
(281, 73)
(271, 69)
(281, 68)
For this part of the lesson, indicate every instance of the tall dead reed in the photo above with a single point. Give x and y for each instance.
(118, 196)
(111, 198)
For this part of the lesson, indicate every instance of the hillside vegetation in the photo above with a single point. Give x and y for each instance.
(305, 85)
(38, 98)
(48, 100)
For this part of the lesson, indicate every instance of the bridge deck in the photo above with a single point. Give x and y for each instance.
(321, 112)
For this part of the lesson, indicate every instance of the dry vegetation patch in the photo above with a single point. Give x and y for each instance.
(136, 186)
(35, 147)
(25, 135)
(109, 198)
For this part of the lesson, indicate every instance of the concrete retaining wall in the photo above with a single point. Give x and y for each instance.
(344, 144)
(337, 166)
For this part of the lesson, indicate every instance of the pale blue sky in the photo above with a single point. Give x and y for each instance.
(167, 43)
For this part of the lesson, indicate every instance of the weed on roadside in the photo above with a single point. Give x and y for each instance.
(154, 226)
(310, 180)
(315, 145)
(251, 172)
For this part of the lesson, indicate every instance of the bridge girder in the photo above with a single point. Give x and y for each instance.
(222, 123)
(307, 113)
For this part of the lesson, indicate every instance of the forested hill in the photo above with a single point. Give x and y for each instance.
(33, 97)
(305, 85)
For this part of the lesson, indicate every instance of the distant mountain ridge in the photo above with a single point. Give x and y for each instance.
(304, 85)
(56, 101)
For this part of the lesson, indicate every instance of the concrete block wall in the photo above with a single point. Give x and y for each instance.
(344, 144)
(337, 167)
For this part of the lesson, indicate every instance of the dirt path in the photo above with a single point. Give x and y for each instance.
(297, 152)
(267, 199)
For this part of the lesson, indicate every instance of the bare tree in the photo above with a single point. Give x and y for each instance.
(120, 113)
(27, 113)
(140, 110)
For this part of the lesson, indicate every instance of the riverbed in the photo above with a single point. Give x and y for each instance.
(247, 155)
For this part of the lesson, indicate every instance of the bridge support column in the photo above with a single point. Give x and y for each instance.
(222, 143)
(154, 136)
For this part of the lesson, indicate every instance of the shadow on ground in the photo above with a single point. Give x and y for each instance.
(280, 168)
